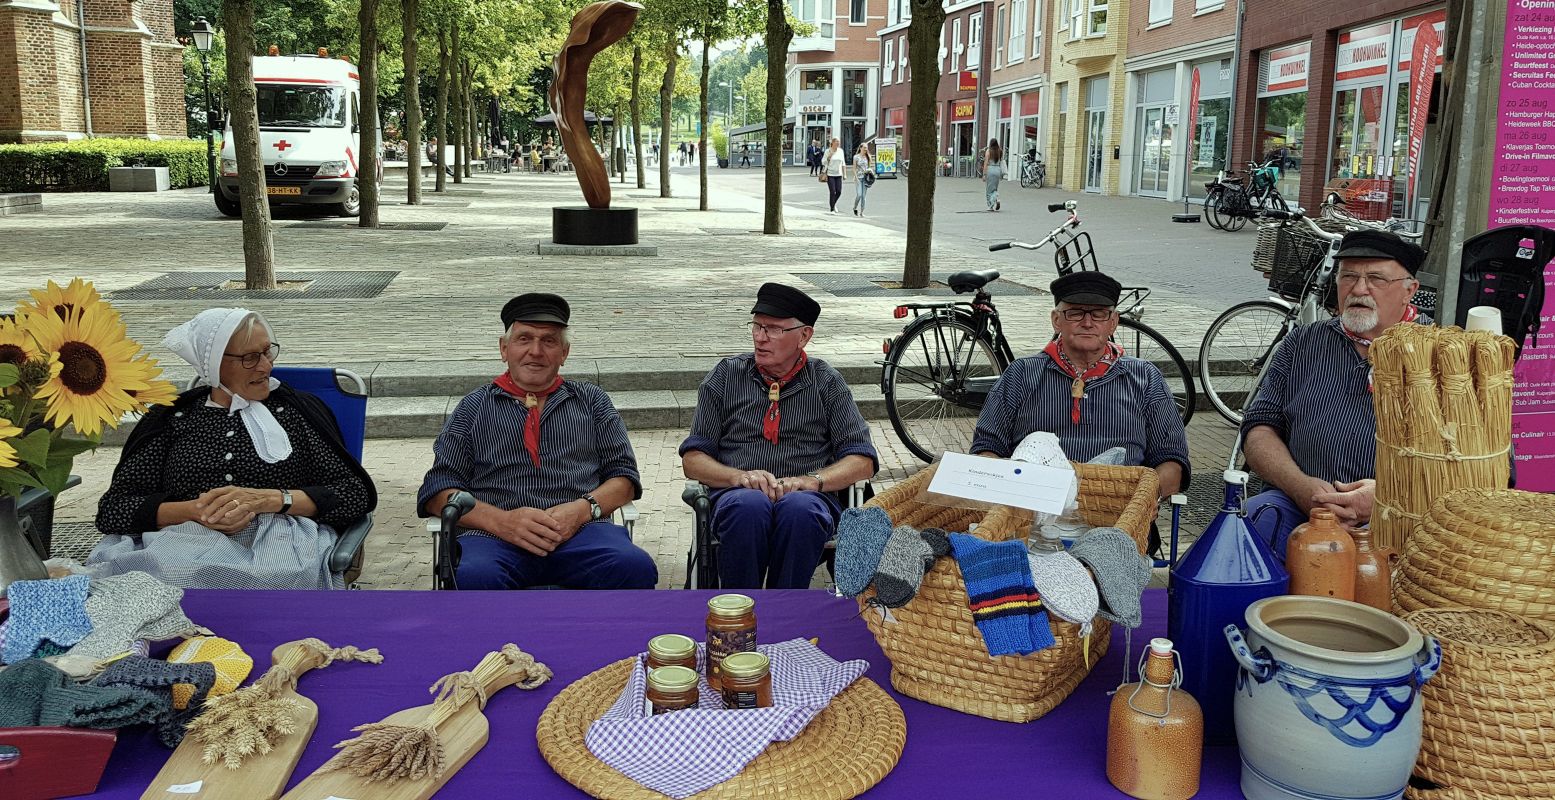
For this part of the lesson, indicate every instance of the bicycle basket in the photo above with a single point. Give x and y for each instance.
(1297, 255)
(1234, 202)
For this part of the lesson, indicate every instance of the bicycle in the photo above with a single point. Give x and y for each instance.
(1214, 196)
(1238, 202)
(937, 373)
(1241, 342)
(1033, 171)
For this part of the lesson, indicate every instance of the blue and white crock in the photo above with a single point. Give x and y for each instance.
(1328, 699)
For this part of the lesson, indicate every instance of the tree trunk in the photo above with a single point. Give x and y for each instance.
(702, 137)
(412, 12)
(440, 161)
(923, 38)
(242, 104)
(618, 144)
(468, 101)
(367, 136)
(666, 99)
(779, 34)
(637, 128)
(456, 107)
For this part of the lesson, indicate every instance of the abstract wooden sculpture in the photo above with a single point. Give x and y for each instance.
(594, 28)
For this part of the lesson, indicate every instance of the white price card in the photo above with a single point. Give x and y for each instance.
(1034, 487)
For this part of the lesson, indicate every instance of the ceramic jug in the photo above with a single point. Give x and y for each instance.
(1373, 571)
(1155, 732)
(1321, 558)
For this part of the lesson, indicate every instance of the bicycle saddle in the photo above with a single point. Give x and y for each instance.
(963, 282)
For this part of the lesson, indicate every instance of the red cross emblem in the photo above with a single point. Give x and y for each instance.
(282, 145)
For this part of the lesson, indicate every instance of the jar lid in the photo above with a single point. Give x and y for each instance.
(731, 605)
(672, 679)
(671, 645)
(746, 665)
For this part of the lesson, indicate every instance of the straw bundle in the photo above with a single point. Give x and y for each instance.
(1443, 399)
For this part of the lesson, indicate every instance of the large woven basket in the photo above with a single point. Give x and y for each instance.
(936, 652)
(1489, 549)
(1489, 719)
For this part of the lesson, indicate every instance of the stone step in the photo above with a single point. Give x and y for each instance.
(20, 202)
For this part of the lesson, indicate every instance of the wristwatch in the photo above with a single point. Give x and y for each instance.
(286, 501)
(595, 512)
(820, 483)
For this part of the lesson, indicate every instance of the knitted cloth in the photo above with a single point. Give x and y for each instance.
(1121, 573)
(861, 538)
(906, 557)
(1066, 588)
(1004, 603)
(938, 541)
(45, 611)
(231, 663)
(127, 607)
(157, 679)
(35, 692)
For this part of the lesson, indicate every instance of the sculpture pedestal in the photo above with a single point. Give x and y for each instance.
(592, 227)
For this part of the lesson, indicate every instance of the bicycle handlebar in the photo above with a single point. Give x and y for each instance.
(997, 247)
(1067, 205)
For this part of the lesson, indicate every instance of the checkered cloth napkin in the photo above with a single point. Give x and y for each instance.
(685, 752)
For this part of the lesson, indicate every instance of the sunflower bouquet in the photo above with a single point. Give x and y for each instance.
(65, 362)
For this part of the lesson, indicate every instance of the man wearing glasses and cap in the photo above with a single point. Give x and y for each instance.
(548, 461)
(774, 431)
(1087, 391)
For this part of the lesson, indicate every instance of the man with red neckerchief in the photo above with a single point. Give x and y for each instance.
(547, 460)
(776, 430)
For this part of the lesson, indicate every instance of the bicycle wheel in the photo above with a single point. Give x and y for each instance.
(935, 380)
(1141, 341)
(1027, 176)
(1236, 347)
(1212, 208)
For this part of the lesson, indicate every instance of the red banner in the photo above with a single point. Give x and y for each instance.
(1422, 73)
(966, 81)
(1193, 118)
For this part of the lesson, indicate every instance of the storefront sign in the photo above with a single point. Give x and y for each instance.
(1524, 180)
(896, 118)
(1421, 77)
(1406, 46)
(963, 111)
(966, 81)
(1285, 69)
(885, 156)
(1030, 104)
(815, 109)
(1363, 52)
(1172, 115)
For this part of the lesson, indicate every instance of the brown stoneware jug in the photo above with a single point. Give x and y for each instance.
(1155, 732)
(1373, 572)
(1321, 558)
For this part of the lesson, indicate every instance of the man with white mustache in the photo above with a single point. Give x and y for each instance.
(1311, 431)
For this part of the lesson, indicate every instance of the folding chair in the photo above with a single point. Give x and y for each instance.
(702, 559)
(445, 545)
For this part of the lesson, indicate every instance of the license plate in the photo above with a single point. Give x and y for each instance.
(283, 190)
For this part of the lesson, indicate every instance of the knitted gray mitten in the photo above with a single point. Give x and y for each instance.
(906, 558)
(861, 535)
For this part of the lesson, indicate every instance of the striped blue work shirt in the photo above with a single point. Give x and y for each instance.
(1130, 407)
(1321, 408)
(819, 422)
(583, 443)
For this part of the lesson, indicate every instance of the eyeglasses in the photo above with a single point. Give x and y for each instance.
(1372, 278)
(1077, 314)
(771, 331)
(251, 360)
(549, 341)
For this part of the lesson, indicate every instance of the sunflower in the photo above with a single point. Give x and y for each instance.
(68, 303)
(97, 369)
(16, 347)
(7, 453)
(161, 393)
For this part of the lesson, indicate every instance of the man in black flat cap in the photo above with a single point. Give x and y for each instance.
(1087, 391)
(1310, 431)
(548, 461)
(774, 431)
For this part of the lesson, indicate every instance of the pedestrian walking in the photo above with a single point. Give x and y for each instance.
(745, 154)
(834, 167)
(812, 155)
(863, 178)
(993, 173)
(681, 150)
(692, 149)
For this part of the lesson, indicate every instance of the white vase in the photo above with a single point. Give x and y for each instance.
(18, 560)
(1328, 699)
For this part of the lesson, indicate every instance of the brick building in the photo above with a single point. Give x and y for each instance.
(961, 107)
(833, 74)
(1089, 43)
(133, 71)
(1017, 76)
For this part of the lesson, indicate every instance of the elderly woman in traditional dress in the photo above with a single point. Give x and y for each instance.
(241, 483)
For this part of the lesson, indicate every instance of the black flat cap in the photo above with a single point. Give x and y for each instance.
(536, 307)
(1086, 288)
(777, 300)
(1382, 244)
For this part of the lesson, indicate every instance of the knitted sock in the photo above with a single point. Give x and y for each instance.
(1005, 606)
(158, 678)
(938, 541)
(906, 557)
(127, 607)
(1121, 573)
(35, 692)
(861, 537)
(45, 611)
(1066, 588)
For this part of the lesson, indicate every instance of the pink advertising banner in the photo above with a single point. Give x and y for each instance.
(1522, 192)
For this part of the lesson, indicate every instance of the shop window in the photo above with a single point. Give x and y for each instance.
(1282, 122)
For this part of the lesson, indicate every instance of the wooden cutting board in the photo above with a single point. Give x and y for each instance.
(259, 777)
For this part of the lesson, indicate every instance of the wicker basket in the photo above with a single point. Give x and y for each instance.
(936, 652)
(1489, 718)
(1487, 549)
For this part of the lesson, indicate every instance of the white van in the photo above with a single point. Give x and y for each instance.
(308, 134)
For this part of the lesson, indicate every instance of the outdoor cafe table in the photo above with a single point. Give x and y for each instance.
(425, 635)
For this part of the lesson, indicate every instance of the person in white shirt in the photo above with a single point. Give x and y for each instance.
(835, 163)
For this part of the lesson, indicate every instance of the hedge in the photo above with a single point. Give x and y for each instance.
(82, 165)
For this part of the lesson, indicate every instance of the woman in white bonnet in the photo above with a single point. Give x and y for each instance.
(241, 483)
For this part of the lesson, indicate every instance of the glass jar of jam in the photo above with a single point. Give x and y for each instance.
(671, 689)
(672, 650)
(747, 681)
(731, 628)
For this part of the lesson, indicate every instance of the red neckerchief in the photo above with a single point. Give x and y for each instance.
(769, 423)
(531, 402)
(1077, 390)
(1411, 313)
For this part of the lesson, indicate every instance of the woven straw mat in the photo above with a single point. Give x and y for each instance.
(1490, 549)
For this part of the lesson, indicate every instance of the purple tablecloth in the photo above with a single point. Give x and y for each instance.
(424, 635)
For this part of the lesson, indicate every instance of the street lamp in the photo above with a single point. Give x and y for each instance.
(729, 114)
(203, 32)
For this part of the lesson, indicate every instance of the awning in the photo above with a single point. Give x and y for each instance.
(758, 127)
(589, 118)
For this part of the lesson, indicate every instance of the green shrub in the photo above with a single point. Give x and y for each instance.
(720, 140)
(82, 165)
